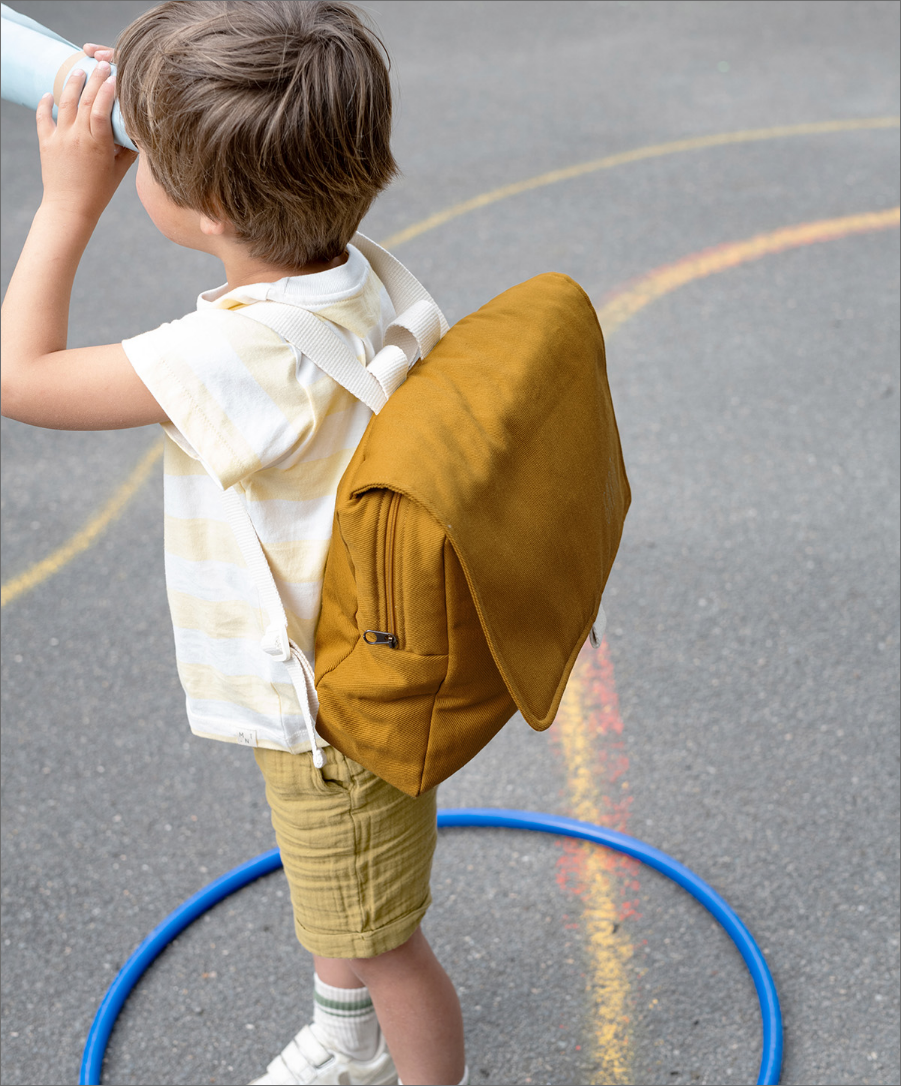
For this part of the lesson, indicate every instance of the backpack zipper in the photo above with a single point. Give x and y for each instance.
(389, 562)
(382, 637)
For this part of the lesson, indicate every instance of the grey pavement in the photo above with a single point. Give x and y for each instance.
(754, 615)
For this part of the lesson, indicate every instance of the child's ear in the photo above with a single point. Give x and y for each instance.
(213, 227)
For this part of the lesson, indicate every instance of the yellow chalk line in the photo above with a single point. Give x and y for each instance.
(609, 949)
(83, 539)
(52, 564)
(657, 150)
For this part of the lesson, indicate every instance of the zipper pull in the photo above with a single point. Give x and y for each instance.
(379, 637)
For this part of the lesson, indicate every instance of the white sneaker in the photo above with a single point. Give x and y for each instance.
(307, 1062)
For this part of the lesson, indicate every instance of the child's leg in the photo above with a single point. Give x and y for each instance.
(358, 854)
(417, 1008)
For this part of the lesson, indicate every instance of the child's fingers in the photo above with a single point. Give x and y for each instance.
(98, 52)
(89, 96)
(68, 99)
(44, 116)
(101, 107)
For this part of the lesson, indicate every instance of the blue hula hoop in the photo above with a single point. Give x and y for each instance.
(210, 895)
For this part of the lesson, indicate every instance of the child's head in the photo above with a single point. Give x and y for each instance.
(272, 115)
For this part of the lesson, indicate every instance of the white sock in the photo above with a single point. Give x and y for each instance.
(344, 1019)
(463, 1081)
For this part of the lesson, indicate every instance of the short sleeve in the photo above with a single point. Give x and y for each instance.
(229, 387)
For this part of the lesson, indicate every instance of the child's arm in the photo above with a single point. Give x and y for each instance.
(89, 388)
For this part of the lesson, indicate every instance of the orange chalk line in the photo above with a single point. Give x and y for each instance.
(587, 731)
(588, 728)
(626, 301)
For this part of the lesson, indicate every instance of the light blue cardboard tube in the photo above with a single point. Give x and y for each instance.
(31, 57)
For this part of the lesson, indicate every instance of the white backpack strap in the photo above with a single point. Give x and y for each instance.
(275, 640)
(404, 289)
(416, 329)
(419, 323)
(314, 338)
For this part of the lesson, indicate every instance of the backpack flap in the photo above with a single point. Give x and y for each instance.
(506, 435)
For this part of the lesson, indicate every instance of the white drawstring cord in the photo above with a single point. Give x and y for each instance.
(305, 683)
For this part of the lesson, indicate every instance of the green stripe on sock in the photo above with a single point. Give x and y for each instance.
(348, 1010)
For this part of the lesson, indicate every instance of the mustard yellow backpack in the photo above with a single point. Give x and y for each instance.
(475, 526)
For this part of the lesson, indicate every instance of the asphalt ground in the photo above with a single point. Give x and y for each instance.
(753, 611)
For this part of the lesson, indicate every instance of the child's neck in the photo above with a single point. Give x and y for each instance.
(241, 270)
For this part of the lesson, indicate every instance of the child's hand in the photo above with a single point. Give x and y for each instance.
(81, 166)
(98, 52)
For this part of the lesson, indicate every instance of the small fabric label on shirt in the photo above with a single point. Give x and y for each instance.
(247, 737)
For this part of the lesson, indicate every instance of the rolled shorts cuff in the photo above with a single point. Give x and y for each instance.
(365, 944)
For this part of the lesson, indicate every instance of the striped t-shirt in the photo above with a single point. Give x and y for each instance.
(246, 409)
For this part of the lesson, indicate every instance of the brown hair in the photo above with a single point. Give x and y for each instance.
(273, 115)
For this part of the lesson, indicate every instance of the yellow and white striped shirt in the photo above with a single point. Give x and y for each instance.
(247, 410)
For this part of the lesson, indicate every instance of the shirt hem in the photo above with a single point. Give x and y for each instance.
(301, 747)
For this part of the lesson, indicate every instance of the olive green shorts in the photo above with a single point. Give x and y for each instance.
(357, 852)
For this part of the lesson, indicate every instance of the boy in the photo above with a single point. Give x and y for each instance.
(263, 130)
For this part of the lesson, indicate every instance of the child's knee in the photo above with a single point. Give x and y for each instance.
(390, 961)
